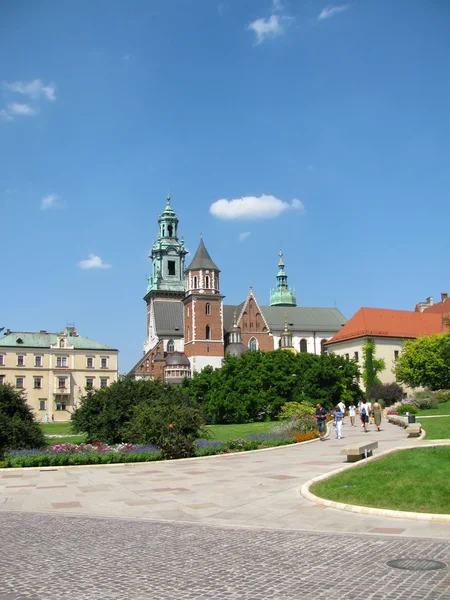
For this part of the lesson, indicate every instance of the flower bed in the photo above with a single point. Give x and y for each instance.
(70, 454)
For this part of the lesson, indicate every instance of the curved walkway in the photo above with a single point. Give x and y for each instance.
(254, 489)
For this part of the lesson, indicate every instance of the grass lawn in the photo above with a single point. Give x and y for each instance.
(411, 480)
(442, 409)
(57, 428)
(437, 429)
(78, 439)
(224, 433)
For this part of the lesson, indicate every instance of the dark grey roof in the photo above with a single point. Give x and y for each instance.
(235, 349)
(228, 311)
(177, 359)
(202, 259)
(169, 318)
(302, 318)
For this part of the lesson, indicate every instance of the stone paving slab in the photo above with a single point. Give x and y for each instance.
(56, 557)
(254, 489)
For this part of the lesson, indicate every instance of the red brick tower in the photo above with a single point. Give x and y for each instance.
(203, 312)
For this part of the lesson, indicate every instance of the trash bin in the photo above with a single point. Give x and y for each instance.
(411, 418)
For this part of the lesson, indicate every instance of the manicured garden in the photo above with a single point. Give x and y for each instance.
(414, 480)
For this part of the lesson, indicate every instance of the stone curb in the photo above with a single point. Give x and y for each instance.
(152, 462)
(367, 510)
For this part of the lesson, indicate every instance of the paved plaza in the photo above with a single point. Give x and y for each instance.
(232, 526)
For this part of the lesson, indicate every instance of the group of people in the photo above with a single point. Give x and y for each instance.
(366, 410)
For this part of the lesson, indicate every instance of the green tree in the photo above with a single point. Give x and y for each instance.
(18, 428)
(257, 384)
(171, 421)
(372, 366)
(425, 362)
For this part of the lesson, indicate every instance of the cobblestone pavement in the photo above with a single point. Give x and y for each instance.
(55, 557)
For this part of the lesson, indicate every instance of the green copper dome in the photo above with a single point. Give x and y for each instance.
(282, 295)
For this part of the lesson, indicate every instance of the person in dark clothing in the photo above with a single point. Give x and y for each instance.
(321, 417)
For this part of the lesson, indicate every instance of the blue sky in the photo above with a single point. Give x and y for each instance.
(328, 124)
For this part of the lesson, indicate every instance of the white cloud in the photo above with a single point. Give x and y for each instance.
(277, 5)
(5, 116)
(331, 10)
(35, 89)
(93, 262)
(21, 110)
(49, 201)
(252, 207)
(243, 236)
(264, 28)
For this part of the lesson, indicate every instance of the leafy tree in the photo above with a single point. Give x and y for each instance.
(390, 393)
(372, 366)
(257, 384)
(18, 428)
(425, 362)
(171, 421)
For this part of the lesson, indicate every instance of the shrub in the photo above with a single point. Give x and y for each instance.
(173, 422)
(407, 408)
(18, 428)
(295, 426)
(425, 400)
(442, 395)
(390, 393)
(295, 409)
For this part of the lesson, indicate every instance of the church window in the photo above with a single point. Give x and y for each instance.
(170, 229)
(253, 344)
(208, 333)
(303, 346)
(171, 267)
(170, 346)
(208, 308)
(61, 343)
(195, 283)
(323, 348)
(207, 281)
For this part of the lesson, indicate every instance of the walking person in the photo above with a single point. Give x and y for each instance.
(321, 417)
(364, 411)
(342, 408)
(352, 413)
(377, 413)
(338, 418)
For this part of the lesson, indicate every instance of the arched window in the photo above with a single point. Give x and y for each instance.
(208, 333)
(208, 308)
(207, 281)
(323, 348)
(253, 344)
(170, 346)
(303, 346)
(195, 283)
(170, 228)
(61, 343)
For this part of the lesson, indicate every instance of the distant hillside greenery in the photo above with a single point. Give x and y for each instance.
(254, 386)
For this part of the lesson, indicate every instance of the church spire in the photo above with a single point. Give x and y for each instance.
(282, 295)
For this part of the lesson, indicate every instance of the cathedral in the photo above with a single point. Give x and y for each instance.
(189, 327)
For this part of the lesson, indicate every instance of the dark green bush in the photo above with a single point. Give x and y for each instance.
(390, 393)
(18, 428)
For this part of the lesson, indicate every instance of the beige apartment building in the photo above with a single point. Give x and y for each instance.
(55, 369)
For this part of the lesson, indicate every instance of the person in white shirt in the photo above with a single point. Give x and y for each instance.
(352, 413)
(364, 411)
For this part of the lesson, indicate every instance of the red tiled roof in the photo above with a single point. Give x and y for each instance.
(384, 322)
(441, 308)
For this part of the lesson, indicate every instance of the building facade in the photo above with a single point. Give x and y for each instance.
(189, 327)
(55, 369)
(389, 329)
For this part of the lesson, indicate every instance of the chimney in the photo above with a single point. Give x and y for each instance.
(43, 331)
(8, 331)
(444, 296)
